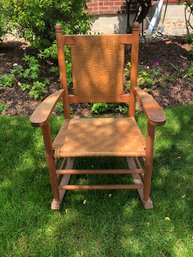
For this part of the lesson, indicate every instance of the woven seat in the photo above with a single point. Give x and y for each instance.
(97, 137)
(98, 77)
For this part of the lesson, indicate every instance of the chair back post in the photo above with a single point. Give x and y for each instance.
(134, 67)
(62, 67)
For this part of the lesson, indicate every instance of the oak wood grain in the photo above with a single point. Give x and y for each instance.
(151, 108)
(100, 187)
(44, 110)
(100, 172)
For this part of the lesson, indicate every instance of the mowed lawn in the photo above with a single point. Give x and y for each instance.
(96, 223)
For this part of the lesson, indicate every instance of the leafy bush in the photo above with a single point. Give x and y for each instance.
(146, 78)
(6, 80)
(33, 71)
(17, 70)
(3, 25)
(100, 108)
(35, 20)
(18, 74)
(2, 29)
(38, 89)
(51, 52)
(55, 70)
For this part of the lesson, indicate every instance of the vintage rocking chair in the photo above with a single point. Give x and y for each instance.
(98, 71)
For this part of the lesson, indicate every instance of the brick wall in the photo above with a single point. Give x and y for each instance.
(113, 6)
(107, 6)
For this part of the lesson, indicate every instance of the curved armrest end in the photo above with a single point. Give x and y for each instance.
(44, 110)
(151, 108)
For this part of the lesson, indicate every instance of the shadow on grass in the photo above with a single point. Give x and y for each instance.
(96, 223)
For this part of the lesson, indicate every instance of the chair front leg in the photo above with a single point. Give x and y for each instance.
(51, 161)
(148, 161)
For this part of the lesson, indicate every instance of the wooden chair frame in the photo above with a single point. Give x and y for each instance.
(155, 117)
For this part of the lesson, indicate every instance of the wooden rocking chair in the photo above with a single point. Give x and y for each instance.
(98, 71)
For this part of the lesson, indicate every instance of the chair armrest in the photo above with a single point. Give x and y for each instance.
(44, 110)
(152, 109)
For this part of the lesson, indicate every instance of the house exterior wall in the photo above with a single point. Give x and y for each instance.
(175, 20)
(99, 7)
(110, 16)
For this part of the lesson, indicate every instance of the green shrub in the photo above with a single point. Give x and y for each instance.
(35, 20)
(38, 89)
(146, 78)
(51, 52)
(31, 74)
(100, 108)
(6, 80)
(2, 24)
(33, 71)
(17, 70)
(55, 70)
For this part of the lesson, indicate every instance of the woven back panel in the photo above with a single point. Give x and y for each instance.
(97, 68)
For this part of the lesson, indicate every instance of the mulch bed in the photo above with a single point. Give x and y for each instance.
(170, 54)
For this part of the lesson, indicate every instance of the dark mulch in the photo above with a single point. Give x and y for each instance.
(171, 88)
(171, 54)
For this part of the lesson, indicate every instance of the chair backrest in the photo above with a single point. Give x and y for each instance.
(97, 65)
(97, 68)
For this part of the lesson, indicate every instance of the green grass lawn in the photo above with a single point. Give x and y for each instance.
(96, 223)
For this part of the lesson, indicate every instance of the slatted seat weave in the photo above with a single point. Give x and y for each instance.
(97, 137)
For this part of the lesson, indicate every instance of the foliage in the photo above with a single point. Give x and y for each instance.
(2, 25)
(190, 53)
(35, 20)
(99, 108)
(55, 70)
(99, 223)
(51, 52)
(146, 78)
(68, 66)
(169, 78)
(6, 80)
(2, 107)
(17, 70)
(38, 89)
(190, 41)
(33, 70)
(189, 71)
(24, 86)
(60, 107)
(19, 74)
